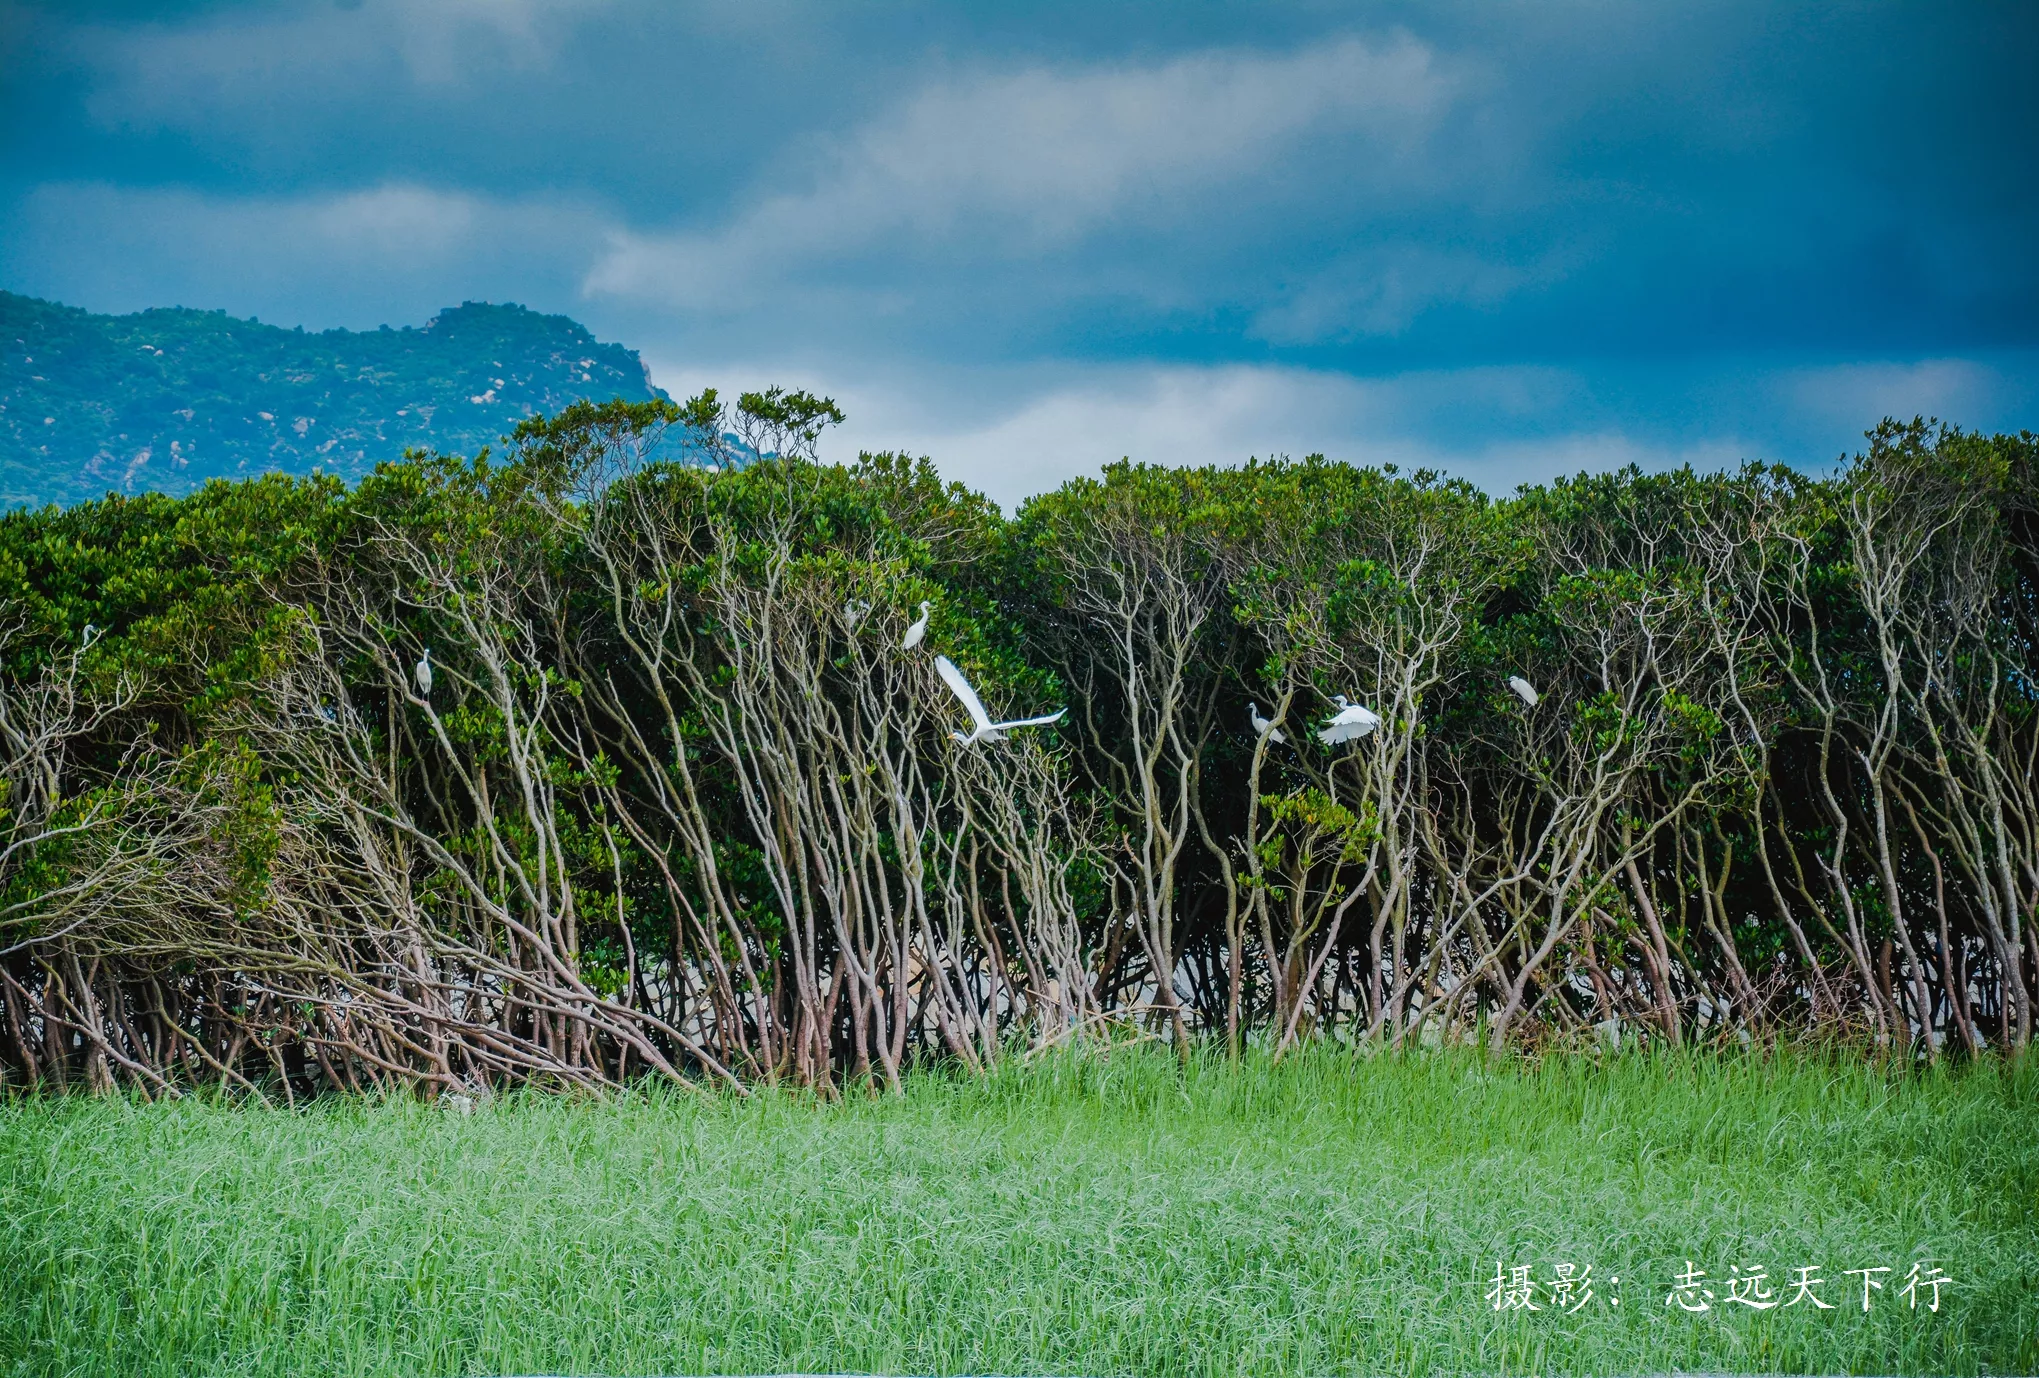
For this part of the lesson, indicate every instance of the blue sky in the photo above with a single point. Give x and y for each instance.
(1503, 239)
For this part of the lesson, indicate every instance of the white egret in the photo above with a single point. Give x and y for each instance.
(1264, 727)
(424, 673)
(1349, 724)
(984, 729)
(917, 630)
(854, 610)
(91, 635)
(1524, 690)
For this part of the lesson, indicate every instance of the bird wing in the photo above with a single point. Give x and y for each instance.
(953, 677)
(1352, 722)
(1055, 716)
(1274, 734)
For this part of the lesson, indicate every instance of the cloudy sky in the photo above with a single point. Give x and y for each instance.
(1505, 238)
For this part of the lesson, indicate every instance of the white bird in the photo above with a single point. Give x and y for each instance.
(917, 630)
(1264, 727)
(985, 730)
(1524, 690)
(854, 610)
(1349, 724)
(91, 635)
(424, 673)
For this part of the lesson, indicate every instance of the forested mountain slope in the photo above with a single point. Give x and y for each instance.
(165, 399)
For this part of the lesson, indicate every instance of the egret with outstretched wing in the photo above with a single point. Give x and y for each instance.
(1264, 727)
(1349, 724)
(1524, 690)
(983, 729)
(917, 630)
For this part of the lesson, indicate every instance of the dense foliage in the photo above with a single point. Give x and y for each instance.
(677, 800)
(165, 400)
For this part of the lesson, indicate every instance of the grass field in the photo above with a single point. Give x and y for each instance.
(1088, 1216)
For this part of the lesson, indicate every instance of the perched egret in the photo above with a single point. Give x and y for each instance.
(984, 729)
(854, 610)
(424, 673)
(91, 634)
(1349, 724)
(917, 630)
(1524, 690)
(1264, 727)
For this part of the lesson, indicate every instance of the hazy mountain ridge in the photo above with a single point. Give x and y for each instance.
(168, 398)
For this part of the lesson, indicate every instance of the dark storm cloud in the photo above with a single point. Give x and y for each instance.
(1510, 238)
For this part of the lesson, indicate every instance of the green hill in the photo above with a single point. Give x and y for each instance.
(166, 399)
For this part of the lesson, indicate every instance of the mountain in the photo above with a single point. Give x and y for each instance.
(166, 399)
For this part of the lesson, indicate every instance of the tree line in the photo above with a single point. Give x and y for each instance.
(675, 800)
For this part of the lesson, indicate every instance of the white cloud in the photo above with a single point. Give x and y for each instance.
(1858, 394)
(388, 221)
(1013, 433)
(446, 41)
(1022, 163)
(185, 76)
(1222, 415)
(1381, 291)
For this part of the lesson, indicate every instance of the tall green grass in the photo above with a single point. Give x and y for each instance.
(1121, 1215)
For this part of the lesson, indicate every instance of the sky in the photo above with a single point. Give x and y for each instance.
(1507, 239)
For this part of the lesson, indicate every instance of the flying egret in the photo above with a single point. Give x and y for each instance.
(1524, 690)
(917, 630)
(1349, 724)
(985, 730)
(1264, 727)
(424, 673)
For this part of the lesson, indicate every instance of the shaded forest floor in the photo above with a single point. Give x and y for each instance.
(1087, 1215)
